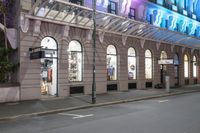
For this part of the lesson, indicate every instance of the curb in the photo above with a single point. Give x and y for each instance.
(94, 105)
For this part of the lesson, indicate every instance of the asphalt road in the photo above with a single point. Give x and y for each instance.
(177, 114)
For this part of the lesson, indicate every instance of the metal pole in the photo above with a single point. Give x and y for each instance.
(94, 53)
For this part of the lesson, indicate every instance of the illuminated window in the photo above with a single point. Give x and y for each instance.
(131, 63)
(111, 63)
(75, 61)
(163, 55)
(148, 64)
(49, 67)
(112, 7)
(186, 66)
(160, 2)
(176, 59)
(194, 66)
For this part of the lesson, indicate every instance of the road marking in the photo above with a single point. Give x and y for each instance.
(76, 116)
(162, 101)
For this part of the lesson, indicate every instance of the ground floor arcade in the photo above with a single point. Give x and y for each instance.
(119, 66)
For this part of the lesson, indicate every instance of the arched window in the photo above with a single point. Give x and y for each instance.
(75, 58)
(148, 64)
(176, 59)
(194, 66)
(49, 67)
(111, 63)
(186, 66)
(163, 55)
(131, 63)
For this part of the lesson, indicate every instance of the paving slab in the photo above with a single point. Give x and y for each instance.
(40, 107)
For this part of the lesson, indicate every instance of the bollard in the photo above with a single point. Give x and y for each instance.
(167, 83)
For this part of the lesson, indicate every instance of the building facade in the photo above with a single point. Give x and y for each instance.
(135, 41)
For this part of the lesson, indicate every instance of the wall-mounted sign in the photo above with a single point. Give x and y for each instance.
(165, 61)
(37, 55)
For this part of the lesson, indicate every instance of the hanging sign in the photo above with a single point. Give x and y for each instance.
(37, 55)
(165, 61)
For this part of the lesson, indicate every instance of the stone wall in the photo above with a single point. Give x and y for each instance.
(30, 69)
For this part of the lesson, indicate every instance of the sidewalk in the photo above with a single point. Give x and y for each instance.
(10, 111)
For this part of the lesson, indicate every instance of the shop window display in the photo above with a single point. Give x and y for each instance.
(163, 68)
(49, 67)
(75, 61)
(148, 64)
(111, 63)
(194, 66)
(186, 66)
(131, 64)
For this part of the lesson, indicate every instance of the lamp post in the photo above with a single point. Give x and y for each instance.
(94, 53)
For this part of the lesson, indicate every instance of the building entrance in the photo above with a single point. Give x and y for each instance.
(49, 67)
(163, 68)
(176, 70)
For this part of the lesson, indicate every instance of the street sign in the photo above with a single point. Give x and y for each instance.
(165, 61)
(37, 55)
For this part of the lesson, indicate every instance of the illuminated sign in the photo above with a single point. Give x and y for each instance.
(165, 61)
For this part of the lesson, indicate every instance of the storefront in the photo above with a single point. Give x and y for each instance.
(127, 53)
(49, 68)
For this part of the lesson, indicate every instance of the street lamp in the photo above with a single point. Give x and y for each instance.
(94, 52)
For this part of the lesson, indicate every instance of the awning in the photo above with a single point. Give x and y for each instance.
(11, 35)
(66, 13)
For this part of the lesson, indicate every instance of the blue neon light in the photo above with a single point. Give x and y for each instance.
(163, 17)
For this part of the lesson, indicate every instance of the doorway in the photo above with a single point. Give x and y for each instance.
(163, 68)
(176, 70)
(49, 67)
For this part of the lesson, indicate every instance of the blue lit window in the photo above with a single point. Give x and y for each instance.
(160, 2)
(132, 13)
(174, 8)
(112, 7)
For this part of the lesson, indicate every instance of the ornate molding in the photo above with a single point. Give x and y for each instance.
(101, 36)
(183, 49)
(172, 48)
(36, 29)
(24, 23)
(65, 31)
(192, 51)
(158, 45)
(142, 42)
(124, 38)
(89, 35)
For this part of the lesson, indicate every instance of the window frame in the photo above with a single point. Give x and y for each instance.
(135, 57)
(194, 62)
(116, 67)
(151, 58)
(110, 10)
(130, 15)
(69, 54)
(186, 62)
